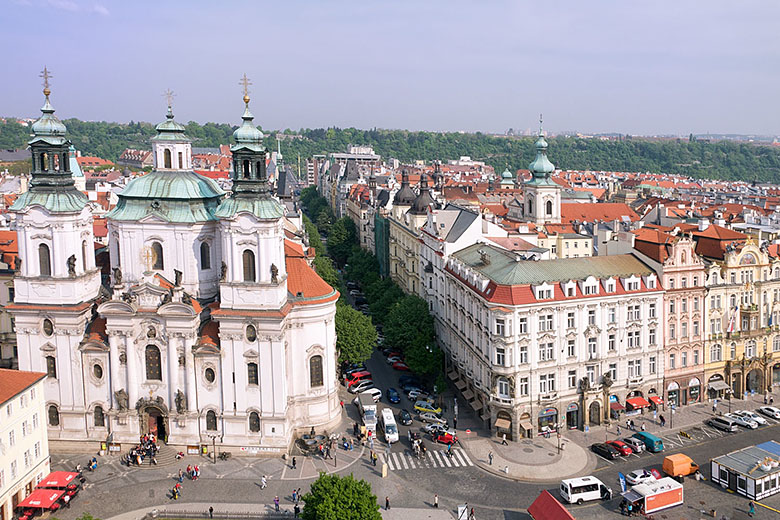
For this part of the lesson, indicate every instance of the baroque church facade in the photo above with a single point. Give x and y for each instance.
(212, 324)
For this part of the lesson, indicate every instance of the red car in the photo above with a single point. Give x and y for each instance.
(445, 438)
(621, 447)
(400, 365)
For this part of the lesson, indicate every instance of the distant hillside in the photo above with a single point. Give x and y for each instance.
(716, 160)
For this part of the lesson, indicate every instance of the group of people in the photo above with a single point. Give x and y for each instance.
(192, 472)
(629, 508)
(147, 448)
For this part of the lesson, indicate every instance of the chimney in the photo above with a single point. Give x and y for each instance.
(703, 224)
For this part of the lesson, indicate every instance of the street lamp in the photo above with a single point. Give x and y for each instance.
(213, 437)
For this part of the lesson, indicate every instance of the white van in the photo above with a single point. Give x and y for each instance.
(389, 428)
(579, 490)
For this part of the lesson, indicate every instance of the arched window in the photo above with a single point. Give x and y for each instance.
(549, 208)
(254, 422)
(44, 162)
(251, 373)
(211, 421)
(54, 416)
(249, 265)
(157, 254)
(777, 272)
(84, 255)
(503, 387)
(44, 259)
(259, 168)
(51, 367)
(181, 161)
(100, 418)
(153, 365)
(167, 158)
(530, 206)
(65, 162)
(315, 371)
(205, 256)
(246, 168)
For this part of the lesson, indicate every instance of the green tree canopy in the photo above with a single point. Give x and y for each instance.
(341, 240)
(409, 323)
(356, 335)
(333, 497)
(324, 267)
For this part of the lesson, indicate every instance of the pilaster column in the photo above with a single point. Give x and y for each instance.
(189, 371)
(114, 341)
(173, 364)
(133, 377)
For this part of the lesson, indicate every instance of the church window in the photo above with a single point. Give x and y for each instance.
(54, 416)
(249, 265)
(251, 373)
(100, 417)
(315, 371)
(65, 165)
(51, 367)
(153, 363)
(157, 256)
(251, 333)
(205, 256)
(84, 255)
(549, 208)
(181, 161)
(48, 327)
(246, 168)
(210, 375)
(167, 158)
(97, 371)
(44, 260)
(530, 207)
(259, 169)
(211, 421)
(254, 422)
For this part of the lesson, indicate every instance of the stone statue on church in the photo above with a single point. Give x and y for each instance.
(606, 380)
(584, 384)
(176, 278)
(71, 262)
(18, 263)
(223, 272)
(167, 298)
(186, 299)
(117, 275)
(274, 273)
(181, 402)
(122, 400)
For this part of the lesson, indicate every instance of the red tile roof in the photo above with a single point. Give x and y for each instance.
(14, 382)
(589, 212)
(9, 248)
(302, 280)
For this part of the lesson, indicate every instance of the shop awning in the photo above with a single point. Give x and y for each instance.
(58, 479)
(460, 385)
(657, 400)
(632, 496)
(477, 405)
(637, 402)
(468, 395)
(452, 375)
(718, 386)
(616, 406)
(526, 424)
(42, 498)
(503, 424)
(546, 507)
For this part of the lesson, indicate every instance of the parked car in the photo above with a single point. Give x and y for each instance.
(426, 406)
(605, 450)
(353, 370)
(417, 394)
(639, 476)
(356, 377)
(621, 447)
(391, 353)
(753, 416)
(430, 417)
(434, 428)
(745, 422)
(636, 445)
(393, 396)
(400, 365)
(723, 423)
(447, 437)
(354, 292)
(361, 300)
(373, 392)
(394, 359)
(404, 418)
(352, 285)
(363, 385)
(410, 387)
(407, 378)
(770, 411)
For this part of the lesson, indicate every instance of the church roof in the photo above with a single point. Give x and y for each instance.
(170, 130)
(71, 201)
(261, 207)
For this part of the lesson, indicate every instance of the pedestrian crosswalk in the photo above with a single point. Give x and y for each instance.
(401, 461)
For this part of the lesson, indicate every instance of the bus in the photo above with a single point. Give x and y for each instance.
(389, 428)
(578, 490)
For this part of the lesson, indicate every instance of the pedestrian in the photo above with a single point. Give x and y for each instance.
(293, 463)
(374, 458)
(263, 482)
(623, 507)
(471, 515)
(714, 406)
(312, 432)
(387, 503)
(276, 503)
(211, 511)
(299, 493)
(503, 440)
(334, 459)
(643, 427)
(342, 404)
(618, 429)
(766, 399)
(295, 495)
(454, 423)
(181, 476)
(436, 501)
(296, 511)
(663, 420)
(490, 458)
(751, 509)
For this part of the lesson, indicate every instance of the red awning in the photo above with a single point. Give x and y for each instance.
(657, 400)
(614, 405)
(546, 507)
(637, 402)
(42, 498)
(58, 479)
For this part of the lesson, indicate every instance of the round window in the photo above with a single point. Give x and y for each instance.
(97, 371)
(48, 327)
(251, 334)
(210, 375)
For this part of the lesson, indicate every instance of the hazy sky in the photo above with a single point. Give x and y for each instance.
(635, 67)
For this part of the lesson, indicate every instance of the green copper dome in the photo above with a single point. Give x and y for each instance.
(48, 127)
(248, 135)
(170, 130)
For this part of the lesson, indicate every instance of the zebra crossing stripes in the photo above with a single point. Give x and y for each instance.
(433, 459)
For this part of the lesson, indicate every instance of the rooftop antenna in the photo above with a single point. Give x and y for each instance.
(46, 75)
(245, 83)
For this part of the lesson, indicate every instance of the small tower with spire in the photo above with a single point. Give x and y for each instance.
(541, 195)
(404, 197)
(419, 211)
(171, 147)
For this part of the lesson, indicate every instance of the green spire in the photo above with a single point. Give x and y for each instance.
(541, 167)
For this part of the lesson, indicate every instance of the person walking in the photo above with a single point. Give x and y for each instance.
(387, 503)
(211, 511)
(642, 427)
(295, 496)
(263, 482)
(618, 429)
(503, 440)
(293, 463)
(454, 423)
(296, 511)
(663, 420)
(751, 509)
(436, 501)
(181, 476)
(490, 458)
(374, 458)
(276, 503)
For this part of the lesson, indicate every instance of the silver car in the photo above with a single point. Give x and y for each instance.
(430, 417)
(742, 421)
(434, 428)
(753, 416)
(635, 444)
(770, 411)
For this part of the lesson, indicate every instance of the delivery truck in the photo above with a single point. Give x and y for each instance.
(367, 407)
(679, 465)
(654, 496)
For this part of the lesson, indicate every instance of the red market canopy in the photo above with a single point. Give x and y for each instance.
(637, 402)
(58, 479)
(546, 507)
(42, 498)
(614, 405)
(657, 400)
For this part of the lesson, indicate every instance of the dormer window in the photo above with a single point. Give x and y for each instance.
(651, 283)
(610, 286)
(544, 292)
(632, 284)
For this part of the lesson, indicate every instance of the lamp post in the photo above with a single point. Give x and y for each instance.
(213, 437)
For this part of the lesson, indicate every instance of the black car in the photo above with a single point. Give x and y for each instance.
(361, 300)
(409, 379)
(605, 450)
(404, 418)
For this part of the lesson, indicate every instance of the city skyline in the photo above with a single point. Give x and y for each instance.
(669, 69)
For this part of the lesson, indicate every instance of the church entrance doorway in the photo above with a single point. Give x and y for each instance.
(156, 422)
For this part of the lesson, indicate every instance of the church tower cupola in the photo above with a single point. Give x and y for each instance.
(171, 147)
(541, 194)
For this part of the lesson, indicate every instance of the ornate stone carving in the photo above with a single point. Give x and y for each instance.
(584, 384)
(177, 278)
(122, 399)
(71, 263)
(122, 358)
(117, 275)
(274, 273)
(222, 272)
(181, 401)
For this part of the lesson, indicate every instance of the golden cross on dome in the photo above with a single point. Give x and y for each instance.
(169, 95)
(46, 75)
(245, 83)
(540, 125)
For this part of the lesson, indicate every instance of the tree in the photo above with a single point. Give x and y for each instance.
(333, 497)
(355, 334)
(324, 222)
(341, 240)
(324, 267)
(409, 323)
(314, 236)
